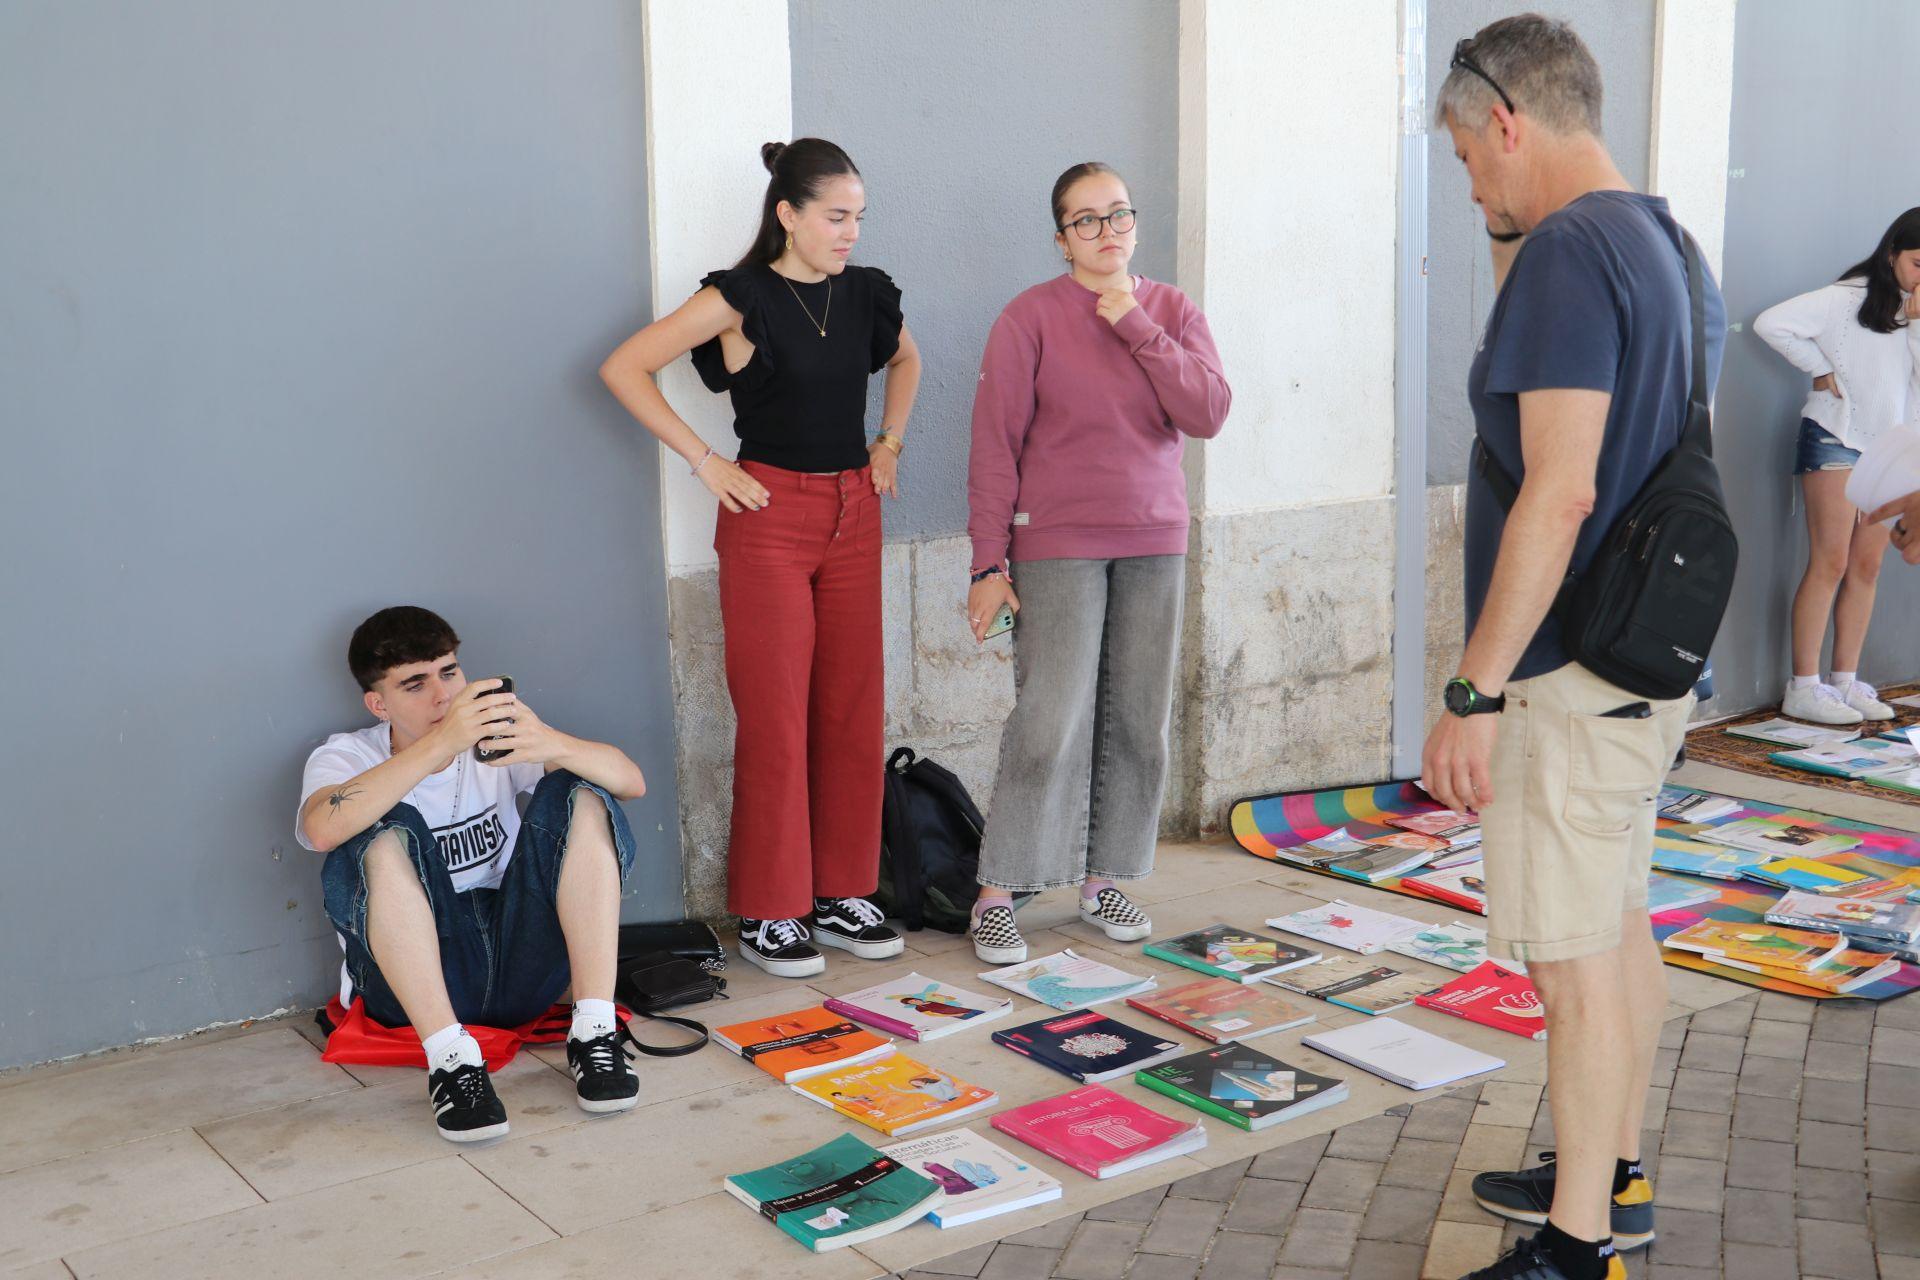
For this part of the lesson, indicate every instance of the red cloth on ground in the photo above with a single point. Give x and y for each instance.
(357, 1038)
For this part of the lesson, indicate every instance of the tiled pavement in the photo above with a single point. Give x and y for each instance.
(1784, 1140)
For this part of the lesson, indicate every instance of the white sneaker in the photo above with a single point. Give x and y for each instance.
(1865, 699)
(1820, 703)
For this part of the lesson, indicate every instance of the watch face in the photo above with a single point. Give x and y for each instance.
(1458, 697)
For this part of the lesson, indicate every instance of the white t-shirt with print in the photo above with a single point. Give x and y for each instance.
(477, 841)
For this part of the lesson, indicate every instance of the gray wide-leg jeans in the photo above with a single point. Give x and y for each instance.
(1083, 757)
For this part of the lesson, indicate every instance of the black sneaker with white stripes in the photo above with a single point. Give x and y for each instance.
(603, 1077)
(1111, 910)
(781, 947)
(856, 925)
(465, 1107)
(996, 938)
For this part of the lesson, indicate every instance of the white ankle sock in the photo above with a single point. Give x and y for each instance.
(1805, 682)
(1841, 679)
(451, 1046)
(591, 1018)
(1090, 889)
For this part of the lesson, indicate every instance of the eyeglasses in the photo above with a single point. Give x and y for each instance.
(1087, 225)
(1463, 59)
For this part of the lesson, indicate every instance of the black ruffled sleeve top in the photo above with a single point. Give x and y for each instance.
(800, 402)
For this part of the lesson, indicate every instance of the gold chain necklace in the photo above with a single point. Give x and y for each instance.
(821, 323)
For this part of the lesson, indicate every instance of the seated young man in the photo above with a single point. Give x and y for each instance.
(452, 907)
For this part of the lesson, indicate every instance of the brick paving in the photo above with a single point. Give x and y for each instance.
(1783, 1139)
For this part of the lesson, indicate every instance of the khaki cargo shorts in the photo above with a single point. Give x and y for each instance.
(1569, 836)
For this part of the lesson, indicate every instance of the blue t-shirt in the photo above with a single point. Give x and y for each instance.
(1596, 299)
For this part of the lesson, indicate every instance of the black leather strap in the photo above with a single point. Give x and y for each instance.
(669, 1051)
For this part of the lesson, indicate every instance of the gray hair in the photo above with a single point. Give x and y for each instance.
(1543, 66)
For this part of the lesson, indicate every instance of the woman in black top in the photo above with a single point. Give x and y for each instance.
(792, 332)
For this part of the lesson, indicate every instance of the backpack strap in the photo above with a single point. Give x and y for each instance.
(1696, 434)
(896, 836)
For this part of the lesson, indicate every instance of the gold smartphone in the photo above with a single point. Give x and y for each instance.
(1001, 624)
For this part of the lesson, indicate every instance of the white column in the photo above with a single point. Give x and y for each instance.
(1692, 115)
(1289, 152)
(716, 89)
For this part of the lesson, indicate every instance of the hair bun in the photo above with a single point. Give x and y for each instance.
(770, 153)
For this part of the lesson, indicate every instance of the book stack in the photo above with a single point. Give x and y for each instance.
(1067, 981)
(1460, 831)
(1821, 961)
(1690, 857)
(1791, 733)
(1222, 952)
(1493, 996)
(1463, 886)
(897, 1095)
(1353, 982)
(1222, 1010)
(1243, 1086)
(1807, 876)
(919, 1008)
(1668, 893)
(1358, 929)
(1087, 1046)
(1678, 804)
(1408, 1056)
(806, 1042)
(1887, 922)
(1103, 1135)
(981, 1179)
(1856, 761)
(1778, 837)
(837, 1195)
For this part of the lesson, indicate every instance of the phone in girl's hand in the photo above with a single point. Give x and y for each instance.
(1001, 624)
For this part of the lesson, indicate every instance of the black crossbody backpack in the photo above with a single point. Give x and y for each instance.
(1645, 612)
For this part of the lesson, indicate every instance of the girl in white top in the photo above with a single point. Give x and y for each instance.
(1858, 341)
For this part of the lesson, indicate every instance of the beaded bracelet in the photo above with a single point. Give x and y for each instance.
(703, 460)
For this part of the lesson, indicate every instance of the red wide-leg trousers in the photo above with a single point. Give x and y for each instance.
(800, 602)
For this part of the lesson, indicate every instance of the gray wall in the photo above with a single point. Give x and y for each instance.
(1821, 161)
(1460, 274)
(300, 309)
(960, 118)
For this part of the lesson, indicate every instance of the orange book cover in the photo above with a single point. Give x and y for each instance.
(1769, 946)
(896, 1095)
(806, 1042)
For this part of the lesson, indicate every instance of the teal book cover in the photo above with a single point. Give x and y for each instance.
(837, 1194)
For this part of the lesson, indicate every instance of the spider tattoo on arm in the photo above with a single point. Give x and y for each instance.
(339, 796)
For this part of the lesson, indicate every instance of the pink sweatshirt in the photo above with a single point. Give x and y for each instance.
(1078, 425)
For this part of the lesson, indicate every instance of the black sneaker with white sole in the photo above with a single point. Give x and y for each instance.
(1113, 912)
(996, 938)
(465, 1107)
(856, 925)
(603, 1077)
(781, 947)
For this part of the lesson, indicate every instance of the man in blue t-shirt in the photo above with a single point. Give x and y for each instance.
(1579, 389)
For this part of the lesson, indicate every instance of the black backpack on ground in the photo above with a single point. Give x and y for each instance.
(1645, 612)
(930, 833)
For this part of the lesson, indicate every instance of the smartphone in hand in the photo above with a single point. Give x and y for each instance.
(480, 752)
(1001, 624)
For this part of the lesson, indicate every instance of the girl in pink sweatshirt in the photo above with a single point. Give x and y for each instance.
(1089, 387)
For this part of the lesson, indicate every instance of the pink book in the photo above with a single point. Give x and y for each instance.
(1100, 1133)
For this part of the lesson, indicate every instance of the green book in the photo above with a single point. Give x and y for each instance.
(837, 1195)
(1239, 954)
(1243, 1086)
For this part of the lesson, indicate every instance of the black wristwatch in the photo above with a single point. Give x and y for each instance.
(1462, 699)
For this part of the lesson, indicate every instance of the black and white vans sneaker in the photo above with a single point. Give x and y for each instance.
(856, 925)
(603, 1078)
(1111, 910)
(465, 1107)
(996, 938)
(780, 947)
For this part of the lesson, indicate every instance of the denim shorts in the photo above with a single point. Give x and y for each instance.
(501, 949)
(1818, 450)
